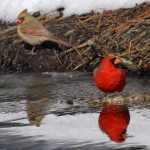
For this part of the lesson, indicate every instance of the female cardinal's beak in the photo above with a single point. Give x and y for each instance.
(18, 21)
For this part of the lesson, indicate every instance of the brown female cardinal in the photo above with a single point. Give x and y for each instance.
(33, 32)
(108, 78)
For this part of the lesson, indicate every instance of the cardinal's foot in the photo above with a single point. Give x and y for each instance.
(31, 53)
(107, 99)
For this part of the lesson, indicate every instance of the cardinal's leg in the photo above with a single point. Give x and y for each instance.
(32, 51)
(105, 95)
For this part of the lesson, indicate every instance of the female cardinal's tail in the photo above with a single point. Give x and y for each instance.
(58, 41)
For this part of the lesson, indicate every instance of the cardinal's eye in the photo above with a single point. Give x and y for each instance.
(113, 60)
(22, 19)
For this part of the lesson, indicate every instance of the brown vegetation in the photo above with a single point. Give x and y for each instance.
(123, 32)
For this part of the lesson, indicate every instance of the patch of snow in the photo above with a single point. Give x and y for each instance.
(9, 9)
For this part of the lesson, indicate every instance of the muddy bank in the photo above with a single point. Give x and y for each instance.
(123, 32)
(65, 93)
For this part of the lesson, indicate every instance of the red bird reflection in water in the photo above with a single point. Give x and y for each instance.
(114, 120)
(107, 77)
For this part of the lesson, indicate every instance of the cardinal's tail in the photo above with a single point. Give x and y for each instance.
(58, 41)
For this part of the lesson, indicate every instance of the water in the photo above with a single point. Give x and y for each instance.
(51, 111)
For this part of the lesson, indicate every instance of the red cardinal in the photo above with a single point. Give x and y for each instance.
(114, 120)
(108, 78)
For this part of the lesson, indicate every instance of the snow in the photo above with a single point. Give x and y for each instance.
(9, 9)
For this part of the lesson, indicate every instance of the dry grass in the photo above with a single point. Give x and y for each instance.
(123, 32)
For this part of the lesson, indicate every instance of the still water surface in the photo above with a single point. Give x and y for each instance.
(51, 111)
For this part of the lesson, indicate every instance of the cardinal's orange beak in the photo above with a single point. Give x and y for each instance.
(117, 61)
(18, 21)
(125, 136)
